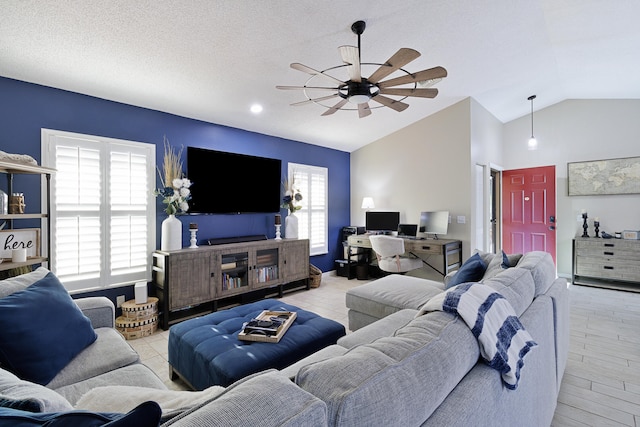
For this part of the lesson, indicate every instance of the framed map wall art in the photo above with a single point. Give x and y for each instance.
(599, 177)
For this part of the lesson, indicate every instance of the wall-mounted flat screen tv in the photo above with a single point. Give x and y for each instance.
(434, 223)
(226, 183)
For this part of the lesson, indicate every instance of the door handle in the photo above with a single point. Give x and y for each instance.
(552, 227)
(552, 219)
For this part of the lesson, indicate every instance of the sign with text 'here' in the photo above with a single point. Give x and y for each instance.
(22, 238)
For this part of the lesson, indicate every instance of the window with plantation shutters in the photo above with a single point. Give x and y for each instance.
(102, 209)
(312, 181)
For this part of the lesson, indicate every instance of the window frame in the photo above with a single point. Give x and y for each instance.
(50, 139)
(296, 169)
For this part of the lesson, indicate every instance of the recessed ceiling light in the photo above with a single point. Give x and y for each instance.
(256, 108)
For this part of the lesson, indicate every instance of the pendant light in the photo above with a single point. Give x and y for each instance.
(533, 143)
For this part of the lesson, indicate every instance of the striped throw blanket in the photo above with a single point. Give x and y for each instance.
(503, 340)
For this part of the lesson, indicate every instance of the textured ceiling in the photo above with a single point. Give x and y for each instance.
(212, 59)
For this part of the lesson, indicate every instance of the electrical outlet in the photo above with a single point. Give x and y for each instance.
(462, 219)
(119, 301)
(579, 218)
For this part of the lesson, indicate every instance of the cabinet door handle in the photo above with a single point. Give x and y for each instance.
(608, 253)
(213, 274)
(608, 267)
(609, 245)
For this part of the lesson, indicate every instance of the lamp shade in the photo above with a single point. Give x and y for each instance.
(367, 203)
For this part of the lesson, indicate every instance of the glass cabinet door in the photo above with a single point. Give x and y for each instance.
(234, 269)
(266, 271)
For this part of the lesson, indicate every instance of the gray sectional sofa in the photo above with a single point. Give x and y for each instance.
(408, 369)
(109, 360)
(398, 367)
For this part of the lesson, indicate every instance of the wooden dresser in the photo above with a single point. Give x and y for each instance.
(609, 263)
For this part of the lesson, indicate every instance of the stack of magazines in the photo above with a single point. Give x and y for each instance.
(265, 327)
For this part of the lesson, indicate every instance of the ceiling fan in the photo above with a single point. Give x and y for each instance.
(360, 90)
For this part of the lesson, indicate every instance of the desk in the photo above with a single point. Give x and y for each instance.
(449, 250)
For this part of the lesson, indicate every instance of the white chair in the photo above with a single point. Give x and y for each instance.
(390, 253)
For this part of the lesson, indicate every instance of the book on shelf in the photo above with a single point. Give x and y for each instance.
(266, 274)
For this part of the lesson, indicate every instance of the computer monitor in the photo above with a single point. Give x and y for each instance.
(434, 223)
(409, 230)
(382, 221)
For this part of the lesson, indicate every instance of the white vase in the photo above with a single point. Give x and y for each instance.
(291, 226)
(171, 239)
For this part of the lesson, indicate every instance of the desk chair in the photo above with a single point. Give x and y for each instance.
(389, 251)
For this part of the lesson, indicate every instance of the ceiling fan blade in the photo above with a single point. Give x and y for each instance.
(309, 70)
(334, 108)
(306, 87)
(391, 103)
(399, 59)
(351, 56)
(422, 93)
(431, 73)
(364, 110)
(309, 101)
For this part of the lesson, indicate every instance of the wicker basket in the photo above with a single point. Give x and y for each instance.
(315, 276)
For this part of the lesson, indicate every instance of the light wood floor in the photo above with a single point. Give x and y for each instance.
(601, 384)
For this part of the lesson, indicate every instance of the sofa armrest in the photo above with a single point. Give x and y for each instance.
(267, 399)
(100, 310)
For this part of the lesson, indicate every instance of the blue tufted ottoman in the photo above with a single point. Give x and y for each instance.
(206, 351)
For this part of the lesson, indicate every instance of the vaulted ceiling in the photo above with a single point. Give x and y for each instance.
(212, 59)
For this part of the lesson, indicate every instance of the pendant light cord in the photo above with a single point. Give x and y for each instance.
(531, 98)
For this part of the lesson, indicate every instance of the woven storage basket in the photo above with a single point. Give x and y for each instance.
(315, 276)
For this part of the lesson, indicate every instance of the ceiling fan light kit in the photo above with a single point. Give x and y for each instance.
(359, 90)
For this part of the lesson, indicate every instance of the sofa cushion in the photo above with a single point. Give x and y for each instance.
(542, 269)
(404, 377)
(134, 375)
(385, 327)
(21, 282)
(263, 399)
(499, 263)
(390, 294)
(471, 271)
(516, 285)
(110, 351)
(145, 415)
(326, 353)
(47, 400)
(486, 257)
(41, 330)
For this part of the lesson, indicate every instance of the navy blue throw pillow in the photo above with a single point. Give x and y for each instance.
(146, 414)
(471, 271)
(505, 260)
(41, 330)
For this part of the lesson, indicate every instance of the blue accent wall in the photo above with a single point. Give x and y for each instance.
(25, 108)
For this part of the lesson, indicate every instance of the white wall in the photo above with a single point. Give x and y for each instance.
(423, 167)
(573, 131)
(486, 152)
(431, 164)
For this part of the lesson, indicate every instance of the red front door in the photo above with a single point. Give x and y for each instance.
(529, 210)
